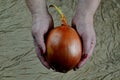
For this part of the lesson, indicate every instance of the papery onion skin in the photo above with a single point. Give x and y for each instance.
(64, 48)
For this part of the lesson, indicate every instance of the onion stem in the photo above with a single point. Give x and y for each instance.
(63, 18)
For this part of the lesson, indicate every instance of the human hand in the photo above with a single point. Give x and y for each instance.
(83, 23)
(42, 24)
(85, 29)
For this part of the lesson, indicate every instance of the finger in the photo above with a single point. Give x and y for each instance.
(81, 63)
(41, 57)
(87, 55)
(39, 40)
(86, 41)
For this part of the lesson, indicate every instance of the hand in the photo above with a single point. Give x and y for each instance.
(42, 24)
(83, 23)
(84, 27)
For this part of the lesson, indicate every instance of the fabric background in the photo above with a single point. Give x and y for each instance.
(18, 60)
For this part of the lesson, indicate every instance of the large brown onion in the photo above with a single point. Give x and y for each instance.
(64, 47)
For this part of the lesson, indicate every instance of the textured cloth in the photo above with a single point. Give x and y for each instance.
(18, 60)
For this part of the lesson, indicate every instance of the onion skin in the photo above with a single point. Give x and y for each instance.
(64, 48)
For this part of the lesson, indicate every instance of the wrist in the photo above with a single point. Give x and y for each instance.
(37, 6)
(43, 14)
(84, 19)
(87, 7)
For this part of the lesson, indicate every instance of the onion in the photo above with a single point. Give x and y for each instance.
(64, 46)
